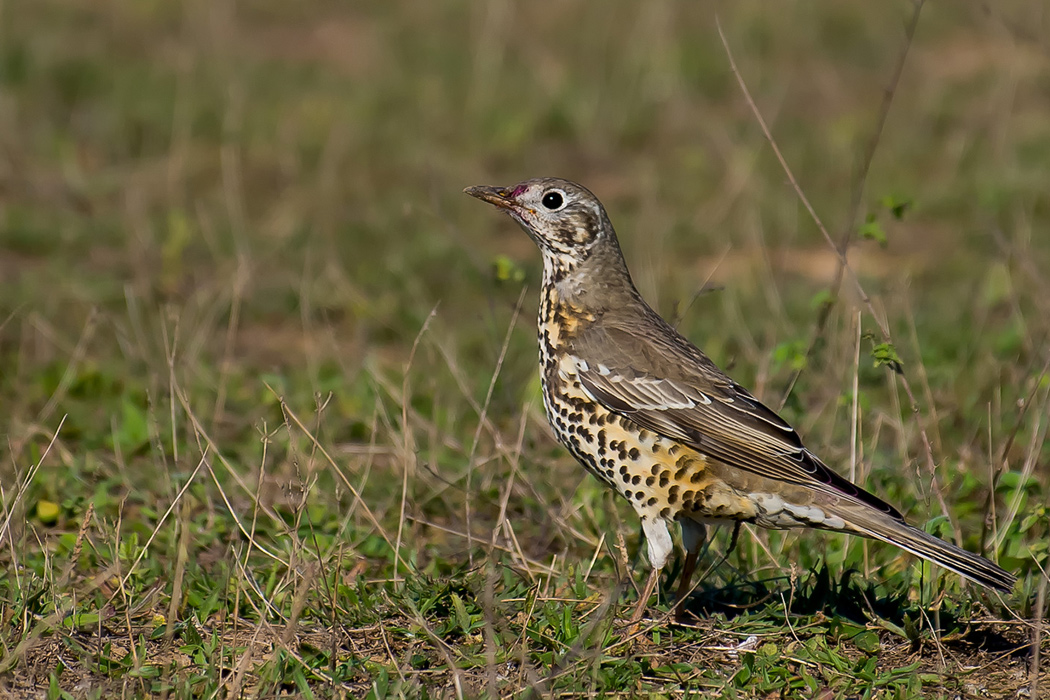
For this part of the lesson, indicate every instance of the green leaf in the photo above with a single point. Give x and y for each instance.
(897, 206)
(462, 618)
(506, 270)
(790, 354)
(891, 627)
(1036, 516)
(133, 430)
(145, 671)
(867, 641)
(849, 630)
(302, 684)
(180, 234)
(911, 628)
(380, 684)
(886, 354)
(822, 298)
(47, 512)
(1016, 480)
(872, 230)
(998, 286)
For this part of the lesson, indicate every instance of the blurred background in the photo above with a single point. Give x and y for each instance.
(304, 162)
(237, 228)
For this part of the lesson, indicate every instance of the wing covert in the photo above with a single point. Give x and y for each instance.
(700, 406)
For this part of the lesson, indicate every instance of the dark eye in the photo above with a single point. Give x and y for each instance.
(552, 200)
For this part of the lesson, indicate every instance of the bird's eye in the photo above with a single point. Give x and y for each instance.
(552, 200)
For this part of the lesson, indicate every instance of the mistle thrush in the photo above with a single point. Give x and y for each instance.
(651, 416)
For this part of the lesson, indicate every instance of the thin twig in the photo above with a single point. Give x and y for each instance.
(23, 487)
(931, 465)
(408, 453)
(160, 524)
(855, 201)
(483, 417)
(1037, 635)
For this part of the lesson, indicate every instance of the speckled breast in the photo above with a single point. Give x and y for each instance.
(659, 477)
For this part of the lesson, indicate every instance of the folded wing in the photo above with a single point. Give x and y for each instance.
(644, 380)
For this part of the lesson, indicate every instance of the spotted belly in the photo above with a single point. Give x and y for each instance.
(660, 477)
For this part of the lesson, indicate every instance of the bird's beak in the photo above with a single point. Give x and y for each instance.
(498, 196)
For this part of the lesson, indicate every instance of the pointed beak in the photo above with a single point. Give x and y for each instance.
(497, 196)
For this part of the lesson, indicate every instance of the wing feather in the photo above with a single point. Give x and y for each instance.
(645, 380)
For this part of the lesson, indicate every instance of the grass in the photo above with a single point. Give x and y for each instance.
(271, 411)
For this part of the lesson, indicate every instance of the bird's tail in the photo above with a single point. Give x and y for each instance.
(913, 540)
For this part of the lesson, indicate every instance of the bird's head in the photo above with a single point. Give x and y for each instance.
(565, 220)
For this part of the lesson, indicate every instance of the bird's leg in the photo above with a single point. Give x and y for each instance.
(693, 536)
(660, 546)
(684, 580)
(643, 601)
(733, 539)
(732, 544)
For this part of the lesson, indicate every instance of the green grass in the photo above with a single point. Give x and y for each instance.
(270, 409)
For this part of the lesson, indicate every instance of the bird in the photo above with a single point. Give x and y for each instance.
(651, 416)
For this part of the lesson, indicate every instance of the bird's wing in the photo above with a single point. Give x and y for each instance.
(662, 382)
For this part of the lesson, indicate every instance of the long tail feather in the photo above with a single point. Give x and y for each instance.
(913, 540)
